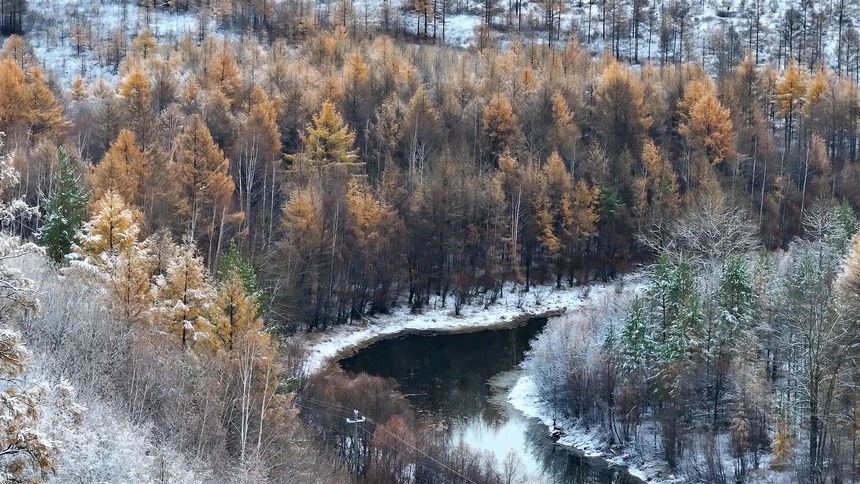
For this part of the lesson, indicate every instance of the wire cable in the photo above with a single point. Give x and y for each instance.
(412, 459)
(338, 408)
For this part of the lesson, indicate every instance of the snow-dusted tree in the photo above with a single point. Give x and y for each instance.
(26, 455)
(185, 297)
(712, 229)
(736, 312)
(112, 230)
(636, 344)
(65, 208)
(813, 330)
(130, 283)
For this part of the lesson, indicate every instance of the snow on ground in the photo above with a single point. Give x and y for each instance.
(51, 26)
(328, 346)
(460, 30)
(590, 442)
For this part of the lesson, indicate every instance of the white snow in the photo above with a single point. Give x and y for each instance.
(590, 442)
(540, 299)
(50, 23)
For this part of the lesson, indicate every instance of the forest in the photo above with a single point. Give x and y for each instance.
(195, 191)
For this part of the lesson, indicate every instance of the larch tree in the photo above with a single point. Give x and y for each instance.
(558, 236)
(26, 103)
(238, 330)
(790, 96)
(239, 307)
(124, 169)
(12, 85)
(308, 250)
(419, 132)
(619, 113)
(65, 209)
(130, 283)
(202, 171)
(112, 230)
(658, 185)
(710, 133)
(254, 167)
(222, 72)
(710, 129)
(18, 49)
(376, 232)
(356, 73)
(694, 91)
(185, 298)
(501, 128)
(136, 93)
(41, 113)
(327, 140)
(145, 45)
(564, 133)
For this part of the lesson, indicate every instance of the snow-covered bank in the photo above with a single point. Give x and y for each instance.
(340, 341)
(590, 442)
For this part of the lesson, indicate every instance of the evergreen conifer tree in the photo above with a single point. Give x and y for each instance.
(65, 209)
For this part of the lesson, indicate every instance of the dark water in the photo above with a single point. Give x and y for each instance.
(447, 379)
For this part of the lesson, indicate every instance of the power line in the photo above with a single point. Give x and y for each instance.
(337, 408)
(416, 449)
(326, 404)
(370, 435)
(318, 410)
(411, 458)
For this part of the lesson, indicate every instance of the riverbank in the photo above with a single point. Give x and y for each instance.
(509, 310)
(647, 466)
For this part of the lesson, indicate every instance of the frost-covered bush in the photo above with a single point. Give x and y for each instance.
(99, 444)
(566, 359)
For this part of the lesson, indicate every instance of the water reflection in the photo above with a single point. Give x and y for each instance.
(448, 380)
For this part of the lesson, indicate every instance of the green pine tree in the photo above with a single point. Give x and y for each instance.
(736, 297)
(636, 345)
(233, 262)
(65, 209)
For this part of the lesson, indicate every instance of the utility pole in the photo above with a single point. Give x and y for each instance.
(357, 420)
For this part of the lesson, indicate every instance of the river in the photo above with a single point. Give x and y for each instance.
(461, 381)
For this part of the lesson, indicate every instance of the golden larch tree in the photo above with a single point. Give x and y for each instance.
(185, 298)
(327, 140)
(259, 147)
(564, 133)
(202, 171)
(501, 127)
(130, 284)
(124, 169)
(239, 312)
(790, 96)
(113, 229)
(12, 95)
(710, 130)
(619, 114)
(40, 112)
(136, 93)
